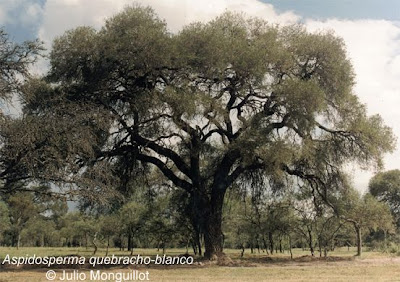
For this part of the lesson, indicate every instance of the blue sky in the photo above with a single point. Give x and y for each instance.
(314, 9)
(21, 18)
(342, 9)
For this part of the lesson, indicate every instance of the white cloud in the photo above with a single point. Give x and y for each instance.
(25, 12)
(178, 13)
(60, 15)
(374, 49)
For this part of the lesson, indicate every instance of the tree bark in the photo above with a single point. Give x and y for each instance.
(213, 237)
(18, 240)
(271, 242)
(265, 244)
(199, 247)
(108, 244)
(310, 241)
(130, 239)
(290, 247)
(94, 243)
(213, 234)
(359, 240)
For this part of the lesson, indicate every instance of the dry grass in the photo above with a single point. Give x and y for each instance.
(333, 271)
(340, 266)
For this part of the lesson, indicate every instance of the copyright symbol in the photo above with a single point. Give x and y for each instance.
(51, 275)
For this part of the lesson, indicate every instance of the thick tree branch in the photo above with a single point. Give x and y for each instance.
(167, 172)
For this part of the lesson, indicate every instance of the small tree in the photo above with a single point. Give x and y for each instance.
(109, 226)
(364, 213)
(162, 221)
(39, 232)
(22, 209)
(4, 219)
(134, 216)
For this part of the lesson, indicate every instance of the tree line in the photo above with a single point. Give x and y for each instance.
(264, 221)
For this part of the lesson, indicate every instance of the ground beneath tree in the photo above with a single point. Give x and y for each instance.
(305, 268)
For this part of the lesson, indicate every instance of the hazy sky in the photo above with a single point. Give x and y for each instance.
(371, 30)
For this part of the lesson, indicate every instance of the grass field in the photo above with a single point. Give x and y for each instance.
(340, 266)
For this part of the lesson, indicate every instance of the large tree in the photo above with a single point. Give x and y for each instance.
(214, 104)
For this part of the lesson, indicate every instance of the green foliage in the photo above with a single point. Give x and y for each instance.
(385, 186)
(365, 211)
(40, 232)
(4, 219)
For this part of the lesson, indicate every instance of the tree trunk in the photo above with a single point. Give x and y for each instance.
(265, 244)
(18, 240)
(108, 245)
(271, 242)
(310, 241)
(194, 248)
(319, 247)
(199, 247)
(290, 247)
(130, 241)
(94, 243)
(384, 240)
(359, 239)
(213, 237)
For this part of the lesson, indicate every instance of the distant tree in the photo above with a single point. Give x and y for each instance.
(40, 232)
(161, 222)
(68, 229)
(327, 228)
(385, 186)
(133, 217)
(364, 213)
(238, 224)
(206, 106)
(307, 217)
(87, 228)
(4, 219)
(22, 208)
(109, 226)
